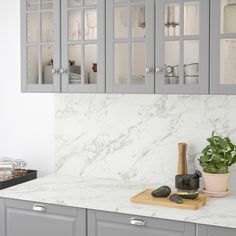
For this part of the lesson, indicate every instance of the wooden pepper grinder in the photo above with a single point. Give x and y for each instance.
(182, 164)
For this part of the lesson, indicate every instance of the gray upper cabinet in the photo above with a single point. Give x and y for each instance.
(40, 40)
(203, 230)
(63, 45)
(223, 47)
(83, 46)
(182, 46)
(27, 219)
(130, 46)
(107, 224)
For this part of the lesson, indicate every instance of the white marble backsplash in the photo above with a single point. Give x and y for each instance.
(135, 137)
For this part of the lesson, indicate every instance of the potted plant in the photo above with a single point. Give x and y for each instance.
(215, 160)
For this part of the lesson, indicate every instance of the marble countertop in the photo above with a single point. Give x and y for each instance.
(114, 196)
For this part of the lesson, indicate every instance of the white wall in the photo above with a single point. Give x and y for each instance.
(26, 120)
(135, 137)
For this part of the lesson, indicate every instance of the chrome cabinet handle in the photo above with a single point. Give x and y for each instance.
(137, 222)
(40, 208)
(159, 69)
(63, 71)
(149, 69)
(55, 71)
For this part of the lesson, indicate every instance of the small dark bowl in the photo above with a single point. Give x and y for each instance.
(186, 182)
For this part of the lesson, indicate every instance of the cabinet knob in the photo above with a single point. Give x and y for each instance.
(55, 71)
(137, 222)
(149, 69)
(63, 71)
(159, 69)
(38, 207)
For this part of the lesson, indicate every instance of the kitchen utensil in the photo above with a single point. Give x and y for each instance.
(91, 20)
(191, 80)
(188, 182)
(191, 69)
(172, 20)
(182, 163)
(94, 67)
(168, 70)
(188, 194)
(137, 79)
(6, 168)
(167, 80)
(19, 167)
(141, 17)
(47, 74)
(175, 70)
(173, 80)
(145, 197)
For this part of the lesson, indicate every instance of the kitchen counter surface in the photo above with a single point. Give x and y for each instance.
(114, 196)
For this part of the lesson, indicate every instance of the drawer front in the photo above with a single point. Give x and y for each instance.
(35, 219)
(204, 230)
(27, 223)
(2, 217)
(48, 208)
(106, 224)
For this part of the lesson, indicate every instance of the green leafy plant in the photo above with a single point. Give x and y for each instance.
(218, 155)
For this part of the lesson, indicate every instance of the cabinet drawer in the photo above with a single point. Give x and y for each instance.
(28, 218)
(29, 206)
(204, 230)
(105, 224)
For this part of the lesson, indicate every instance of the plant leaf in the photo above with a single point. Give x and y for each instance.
(223, 143)
(228, 155)
(233, 160)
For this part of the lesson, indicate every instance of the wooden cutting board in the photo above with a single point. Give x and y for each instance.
(145, 197)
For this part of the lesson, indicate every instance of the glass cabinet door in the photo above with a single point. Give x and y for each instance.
(40, 46)
(83, 45)
(182, 36)
(223, 47)
(130, 46)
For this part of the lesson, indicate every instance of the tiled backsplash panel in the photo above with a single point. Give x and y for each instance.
(134, 137)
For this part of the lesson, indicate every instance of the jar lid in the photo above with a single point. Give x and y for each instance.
(4, 161)
(19, 164)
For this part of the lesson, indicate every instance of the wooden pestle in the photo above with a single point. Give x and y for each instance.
(182, 163)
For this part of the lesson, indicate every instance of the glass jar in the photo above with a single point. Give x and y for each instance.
(230, 17)
(6, 168)
(19, 168)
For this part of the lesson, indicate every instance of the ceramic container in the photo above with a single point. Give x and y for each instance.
(216, 182)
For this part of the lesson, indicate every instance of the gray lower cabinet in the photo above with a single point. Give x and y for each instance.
(27, 218)
(23, 218)
(2, 217)
(203, 230)
(107, 224)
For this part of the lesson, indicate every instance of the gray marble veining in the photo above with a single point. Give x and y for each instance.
(114, 196)
(134, 137)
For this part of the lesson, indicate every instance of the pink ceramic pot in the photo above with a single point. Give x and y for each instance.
(216, 182)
